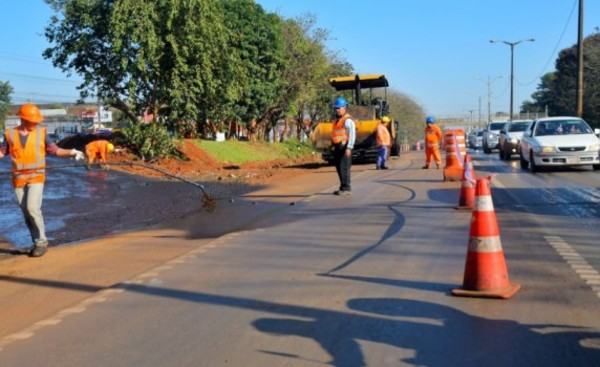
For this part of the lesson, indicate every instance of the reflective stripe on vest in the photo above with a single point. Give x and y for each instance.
(339, 135)
(28, 162)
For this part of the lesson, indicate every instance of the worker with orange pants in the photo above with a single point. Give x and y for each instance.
(433, 137)
(98, 149)
(27, 146)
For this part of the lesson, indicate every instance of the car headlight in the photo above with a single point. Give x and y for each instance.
(594, 147)
(547, 149)
(514, 140)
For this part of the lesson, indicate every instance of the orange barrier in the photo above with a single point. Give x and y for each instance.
(456, 148)
(485, 274)
(467, 187)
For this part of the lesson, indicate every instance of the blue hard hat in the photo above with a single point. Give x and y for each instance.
(430, 119)
(340, 102)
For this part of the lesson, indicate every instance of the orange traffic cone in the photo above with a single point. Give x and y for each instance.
(467, 188)
(485, 274)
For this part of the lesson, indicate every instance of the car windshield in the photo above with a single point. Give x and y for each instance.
(518, 126)
(562, 127)
(497, 125)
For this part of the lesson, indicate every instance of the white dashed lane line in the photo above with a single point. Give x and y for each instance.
(577, 262)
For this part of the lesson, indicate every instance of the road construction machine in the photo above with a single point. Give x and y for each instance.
(367, 112)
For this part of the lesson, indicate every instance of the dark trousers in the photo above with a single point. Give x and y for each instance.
(343, 164)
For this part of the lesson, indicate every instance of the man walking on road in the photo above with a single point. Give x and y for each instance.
(433, 137)
(384, 141)
(343, 135)
(27, 145)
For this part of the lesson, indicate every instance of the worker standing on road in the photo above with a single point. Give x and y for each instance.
(27, 145)
(343, 136)
(433, 137)
(384, 141)
(98, 149)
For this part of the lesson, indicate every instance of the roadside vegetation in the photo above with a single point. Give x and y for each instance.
(238, 152)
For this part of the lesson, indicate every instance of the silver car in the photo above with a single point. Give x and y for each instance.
(490, 136)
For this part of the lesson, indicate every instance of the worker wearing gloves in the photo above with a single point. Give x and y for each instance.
(433, 137)
(384, 141)
(343, 136)
(98, 149)
(27, 146)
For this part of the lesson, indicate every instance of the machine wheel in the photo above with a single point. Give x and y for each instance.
(524, 163)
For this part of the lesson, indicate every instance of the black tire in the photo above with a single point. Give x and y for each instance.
(596, 167)
(524, 163)
(532, 166)
(486, 150)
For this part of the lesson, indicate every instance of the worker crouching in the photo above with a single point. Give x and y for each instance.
(98, 150)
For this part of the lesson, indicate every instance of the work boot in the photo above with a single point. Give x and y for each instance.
(425, 167)
(38, 251)
(342, 193)
(384, 167)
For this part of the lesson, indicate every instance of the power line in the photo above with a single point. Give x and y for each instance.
(36, 77)
(555, 47)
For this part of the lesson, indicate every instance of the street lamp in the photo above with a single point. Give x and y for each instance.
(512, 75)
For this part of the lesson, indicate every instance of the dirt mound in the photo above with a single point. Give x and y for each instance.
(198, 165)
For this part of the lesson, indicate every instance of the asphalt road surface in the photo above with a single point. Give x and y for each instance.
(312, 279)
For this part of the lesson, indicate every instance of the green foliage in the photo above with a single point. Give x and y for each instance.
(5, 101)
(149, 141)
(557, 90)
(259, 42)
(170, 58)
(238, 152)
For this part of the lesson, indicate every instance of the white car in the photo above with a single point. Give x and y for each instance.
(559, 141)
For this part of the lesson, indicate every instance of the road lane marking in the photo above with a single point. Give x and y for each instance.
(585, 271)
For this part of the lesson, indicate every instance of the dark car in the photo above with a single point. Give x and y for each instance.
(509, 138)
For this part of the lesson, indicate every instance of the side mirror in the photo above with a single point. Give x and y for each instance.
(597, 132)
(527, 133)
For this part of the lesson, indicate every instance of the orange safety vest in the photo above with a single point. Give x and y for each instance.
(383, 136)
(29, 162)
(433, 135)
(339, 135)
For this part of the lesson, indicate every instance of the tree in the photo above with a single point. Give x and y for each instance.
(557, 90)
(5, 101)
(169, 58)
(257, 37)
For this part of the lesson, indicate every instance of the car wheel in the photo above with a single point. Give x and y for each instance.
(524, 163)
(596, 167)
(486, 150)
(532, 166)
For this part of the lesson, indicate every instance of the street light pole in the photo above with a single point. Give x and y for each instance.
(512, 74)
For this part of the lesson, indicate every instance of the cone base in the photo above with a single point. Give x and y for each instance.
(503, 293)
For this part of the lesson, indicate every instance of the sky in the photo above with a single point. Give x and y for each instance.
(438, 52)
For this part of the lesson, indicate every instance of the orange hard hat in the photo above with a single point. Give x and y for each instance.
(31, 113)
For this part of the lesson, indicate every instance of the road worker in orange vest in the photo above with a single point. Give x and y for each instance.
(343, 136)
(27, 146)
(384, 141)
(433, 137)
(98, 149)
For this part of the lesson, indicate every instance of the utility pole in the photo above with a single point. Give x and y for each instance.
(580, 62)
(489, 94)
